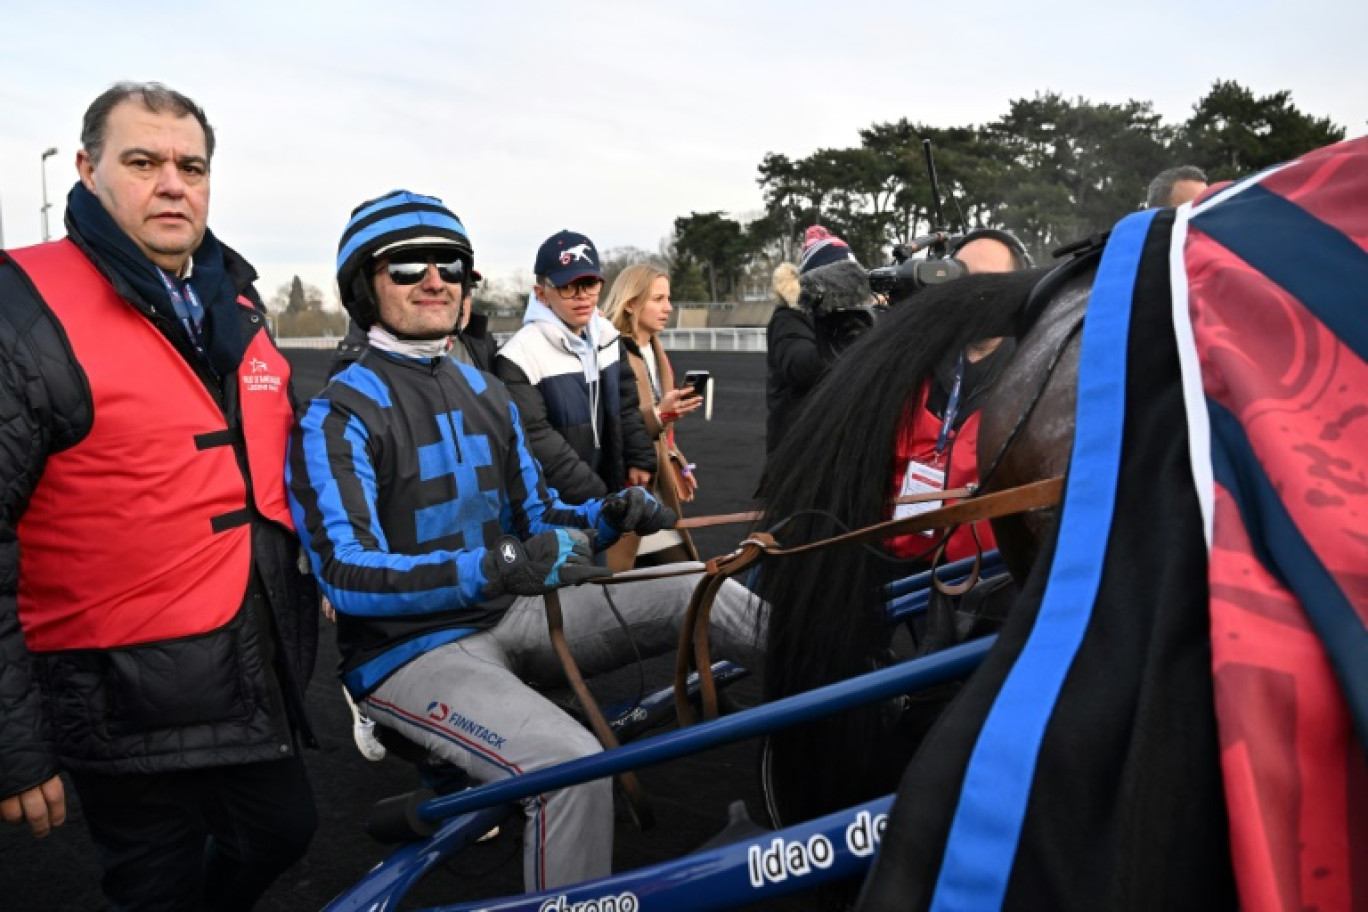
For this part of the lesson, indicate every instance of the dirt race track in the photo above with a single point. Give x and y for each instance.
(690, 796)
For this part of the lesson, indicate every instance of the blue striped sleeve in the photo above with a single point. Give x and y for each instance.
(333, 498)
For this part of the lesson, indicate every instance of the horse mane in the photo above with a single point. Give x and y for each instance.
(834, 471)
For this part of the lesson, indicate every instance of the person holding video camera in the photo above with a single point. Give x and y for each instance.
(825, 304)
(638, 305)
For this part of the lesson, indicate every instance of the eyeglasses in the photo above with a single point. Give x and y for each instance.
(584, 288)
(412, 273)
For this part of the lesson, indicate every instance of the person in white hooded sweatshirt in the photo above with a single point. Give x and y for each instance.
(564, 371)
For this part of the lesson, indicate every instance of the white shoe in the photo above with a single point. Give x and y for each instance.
(363, 732)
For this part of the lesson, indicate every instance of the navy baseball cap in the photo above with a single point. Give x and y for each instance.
(567, 256)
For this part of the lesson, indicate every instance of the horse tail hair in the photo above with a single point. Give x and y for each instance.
(832, 472)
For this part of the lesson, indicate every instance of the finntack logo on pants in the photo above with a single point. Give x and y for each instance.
(440, 712)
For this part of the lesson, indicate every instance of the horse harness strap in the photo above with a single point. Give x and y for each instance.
(693, 635)
(1083, 255)
(720, 519)
(924, 496)
(1031, 496)
(636, 795)
(727, 519)
(969, 582)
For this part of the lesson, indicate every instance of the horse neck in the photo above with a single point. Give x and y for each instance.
(1026, 427)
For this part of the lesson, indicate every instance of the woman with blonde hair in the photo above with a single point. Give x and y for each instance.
(638, 305)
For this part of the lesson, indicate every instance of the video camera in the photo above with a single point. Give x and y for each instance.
(908, 276)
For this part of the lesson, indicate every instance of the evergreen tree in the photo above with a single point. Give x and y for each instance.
(1231, 133)
(296, 303)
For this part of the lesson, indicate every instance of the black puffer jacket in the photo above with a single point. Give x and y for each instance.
(232, 695)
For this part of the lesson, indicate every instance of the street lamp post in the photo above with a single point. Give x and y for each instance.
(46, 205)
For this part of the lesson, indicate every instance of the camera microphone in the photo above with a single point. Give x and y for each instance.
(917, 244)
(926, 240)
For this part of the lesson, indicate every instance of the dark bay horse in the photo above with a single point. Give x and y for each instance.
(1175, 713)
(830, 621)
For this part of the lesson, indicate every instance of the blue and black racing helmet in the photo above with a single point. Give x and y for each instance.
(399, 220)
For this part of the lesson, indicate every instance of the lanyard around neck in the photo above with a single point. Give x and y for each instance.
(951, 406)
(187, 306)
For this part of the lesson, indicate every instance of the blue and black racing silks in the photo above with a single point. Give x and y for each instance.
(402, 472)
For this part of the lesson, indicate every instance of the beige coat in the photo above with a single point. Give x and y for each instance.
(669, 462)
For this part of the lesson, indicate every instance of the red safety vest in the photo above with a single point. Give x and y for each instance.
(917, 440)
(140, 532)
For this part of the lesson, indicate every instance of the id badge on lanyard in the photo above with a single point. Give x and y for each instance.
(921, 478)
(926, 475)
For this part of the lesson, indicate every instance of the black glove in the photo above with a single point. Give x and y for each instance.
(546, 561)
(635, 510)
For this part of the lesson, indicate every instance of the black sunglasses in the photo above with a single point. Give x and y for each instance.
(412, 273)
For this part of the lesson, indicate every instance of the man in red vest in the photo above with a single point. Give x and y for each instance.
(156, 633)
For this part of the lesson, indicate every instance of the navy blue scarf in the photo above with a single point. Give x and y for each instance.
(117, 253)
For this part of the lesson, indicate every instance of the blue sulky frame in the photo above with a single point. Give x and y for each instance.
(798, 858)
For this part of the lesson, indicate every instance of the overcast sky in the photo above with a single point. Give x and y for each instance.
(607, 118)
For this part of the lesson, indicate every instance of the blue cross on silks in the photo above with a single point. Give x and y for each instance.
(472, 507)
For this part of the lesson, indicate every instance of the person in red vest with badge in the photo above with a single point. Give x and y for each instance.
(937, 447)
(156, 631)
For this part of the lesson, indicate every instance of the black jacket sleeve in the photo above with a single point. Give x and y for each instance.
(42, 406)
(478, 342)
(349, 349)
(638, 450)
(574, 481)
(793, 350)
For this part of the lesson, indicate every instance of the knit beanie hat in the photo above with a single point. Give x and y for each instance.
(822, 248)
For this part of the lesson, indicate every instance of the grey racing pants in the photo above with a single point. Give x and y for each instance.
(468, 703)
